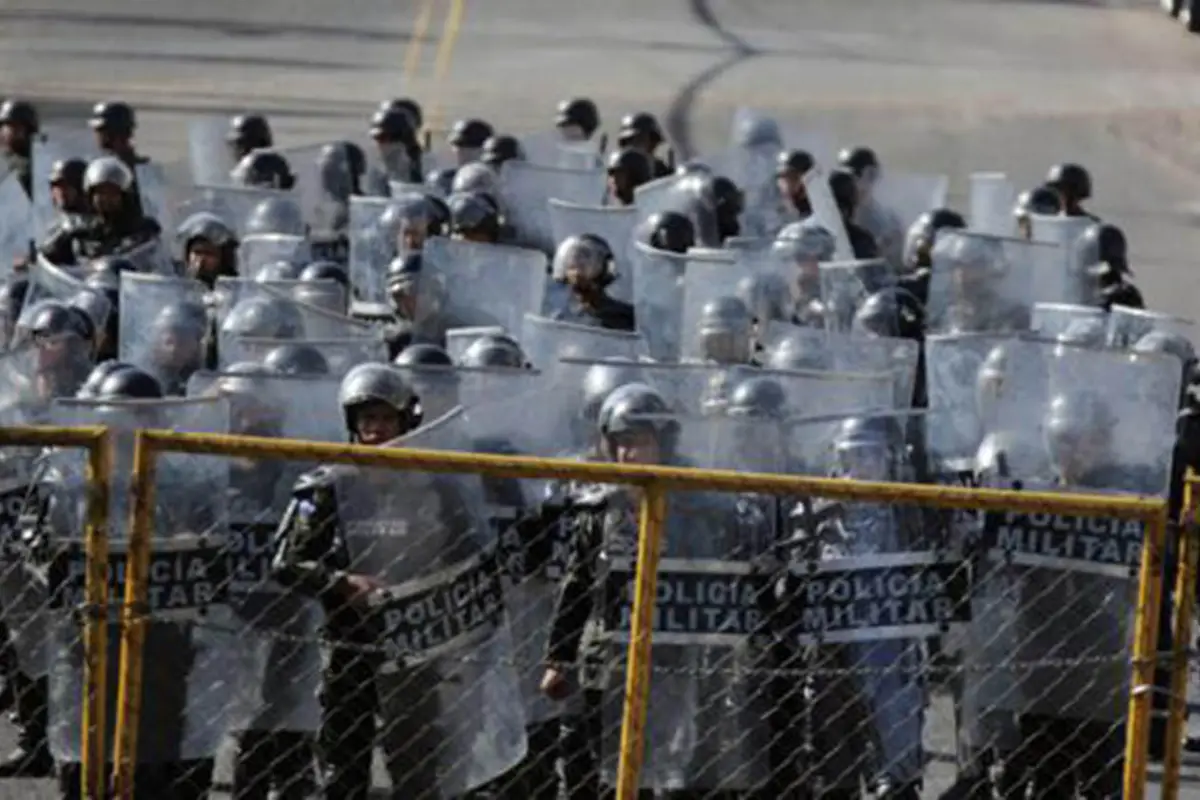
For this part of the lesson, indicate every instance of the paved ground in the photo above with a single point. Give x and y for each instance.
(937, 85)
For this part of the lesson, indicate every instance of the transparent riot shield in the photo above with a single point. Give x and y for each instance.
(450, 699)
(614, 224)
(313, 321)
(340, 354)
(263, 249)
(45, 152)
(155, 194)
(825, 211)
(783, 345)
(526, 190)
(1052, 320)
(893, 204)
(658, 299)
(163, 327)
(371, 247)
(545, 341)
(315, 177)
(236, 204)
(50, 282)
(486, 284)
(990, 203)
(863, 644)
(281, 648)
(1127, 325)
(551, 150)
(459, 340)
(1061, 589)
(981, 283)
(709, 277)
(17, 223)
(192, 638)
(152, 257)
(846, 284)
(706, 729)
(1066, 280)
(209, 155)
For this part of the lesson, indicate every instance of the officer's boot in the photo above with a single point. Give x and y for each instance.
(31, 758)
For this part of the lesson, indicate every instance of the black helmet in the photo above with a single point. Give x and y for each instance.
(98, 375)
(635, 406)
(918, 243)
(393, 125)
(249, 132)
(858, 160)
(494, 350)
(1072, 181)
(844, 188)
(325, 271)
(276, 215)
(127, 382)
(578, 111)
(20, 112)
(635, 165)
(371, 382)
(114, 117)
(891, 312)
(470, 133)
(410, 107)
(1103, 243)
(341, 166)
(1039, 200)
(757, 397)
(423, 355)
(498, 149)
(107, 170)
(296, 359)
(473, 211)
(800, 161)
(727, 197)
(264, 169)
(670, 231)
(69, 172)
(638, 125)
(53, 318)
(208, 227)
(439, 215)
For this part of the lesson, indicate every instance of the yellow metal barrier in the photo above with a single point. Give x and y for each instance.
(1185, 599)
(654, 481)
(95, 648)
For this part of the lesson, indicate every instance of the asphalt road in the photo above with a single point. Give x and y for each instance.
(950, 86)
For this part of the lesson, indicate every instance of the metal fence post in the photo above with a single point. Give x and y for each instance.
(1185, 598)
(1145, 646)
(95, 721)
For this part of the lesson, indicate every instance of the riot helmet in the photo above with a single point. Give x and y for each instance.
(922, 235)
(248, 132)
(869, 448)
(669, 231)
(19, 123)
(264, 169)
(107, 182)
(113, 124)
(861, 162)
(208, 246)
(725, 330)
(378, 404)
(467, 137)
(636, 426)
(296, 358)
(628, 169)
(66, 185)
(585, 263)
(127, 382)
(577, 119)
(494, 350)
(891, 312)
(798, 353)
(263, 318)
(757, 397)
(640, 131)
(410, 107)
(393, 126)
(325, 271)
(474, 217)
(476, 177)
(95, 379)
(1072, 182)
(600, 381)
(430, 371)
(499, 149)
(278, 215)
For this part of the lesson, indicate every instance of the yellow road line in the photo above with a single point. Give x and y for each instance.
(445, 53)
(412, 50)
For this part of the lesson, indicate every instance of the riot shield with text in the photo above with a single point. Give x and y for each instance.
(192, 637)
(449, 696)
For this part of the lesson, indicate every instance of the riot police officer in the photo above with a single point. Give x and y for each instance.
(586, 266)
(844, 187)
(1039, 200)
(247, 133)
(641, 131)
(628, 168)
(577, 119)
(790, 170)
(118, 225)
(474, 217)
(209, 248)
(395, 135)
(19, 126)
(66, 187)
(1103, 254)
(379, 406)
(728, 202)
(467, 138)
(114, 124)
(264, 169)
(1074, 185)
